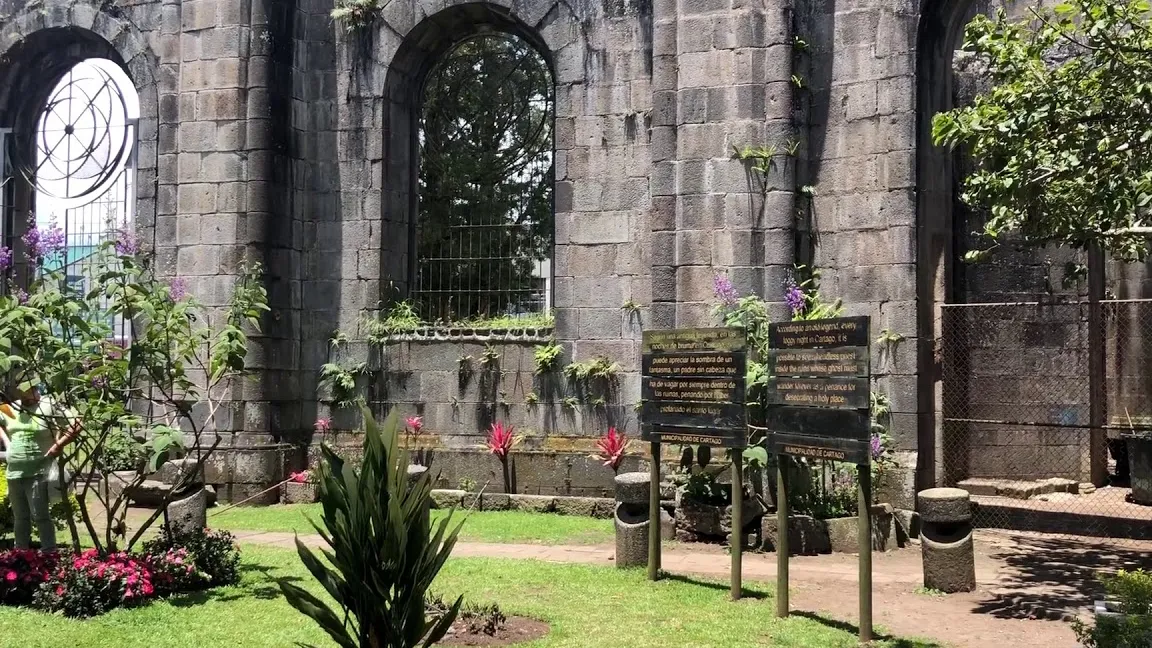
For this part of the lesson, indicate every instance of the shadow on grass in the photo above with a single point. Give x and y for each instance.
(720, 587)
(895, 642)
(264, 587)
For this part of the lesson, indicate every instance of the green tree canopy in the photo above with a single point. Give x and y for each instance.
(485, 218)
(1062, 142)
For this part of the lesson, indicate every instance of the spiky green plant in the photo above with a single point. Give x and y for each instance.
(382, 554)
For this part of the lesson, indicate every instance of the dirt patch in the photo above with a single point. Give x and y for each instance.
(513, 631)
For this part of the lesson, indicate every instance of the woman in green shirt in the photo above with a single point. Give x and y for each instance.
(31, 448)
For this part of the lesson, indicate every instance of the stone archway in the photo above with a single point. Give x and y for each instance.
(422, 47)
(41, 47)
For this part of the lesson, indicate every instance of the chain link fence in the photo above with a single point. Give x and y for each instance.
(1037, 435)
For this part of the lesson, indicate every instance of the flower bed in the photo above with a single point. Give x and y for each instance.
(87, 584)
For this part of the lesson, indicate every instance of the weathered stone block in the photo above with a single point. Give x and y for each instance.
(446, 499)
(584, 506)
(533, 503)
(806, 536)
(298, 493)
(188, 514)
(495, 502)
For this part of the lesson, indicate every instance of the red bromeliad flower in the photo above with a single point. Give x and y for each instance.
(500, 440)
(323, 424)
(415, 423)
(298, 477)
(612, 447)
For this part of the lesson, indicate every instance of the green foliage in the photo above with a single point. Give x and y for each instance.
(631, 308)
(1061, 139)
(381, 558)
(467, 485)
(485, 179)
(547, 357)
(1131, 592)
(165, 443)
(761, 158)
(121, 452)
(531, 399)
(214, 552)
(400, 319)
(342, 382)
(178, 357)
(490, 358)
(598, 368)
(357, 14)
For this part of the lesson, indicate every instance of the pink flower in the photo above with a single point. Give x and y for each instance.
(500, 440)
(296, 477)
(323, 424)
(10, 576)
(415, 423)
(128, 592)
(612, 447)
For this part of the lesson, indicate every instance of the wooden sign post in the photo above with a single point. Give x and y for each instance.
(818, 400)
(692, 392)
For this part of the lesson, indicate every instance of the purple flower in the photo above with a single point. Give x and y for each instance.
(177, 288)
(43, 243)
(794, 296)
(126, 244)
(100, 382)
(724, 290)
(20, 295)
(5, 258)
(877, 447)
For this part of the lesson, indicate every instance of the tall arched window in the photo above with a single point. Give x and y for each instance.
(485, 226)
(85, 158)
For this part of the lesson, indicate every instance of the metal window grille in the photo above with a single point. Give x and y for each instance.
(485, 232)
(85, 179)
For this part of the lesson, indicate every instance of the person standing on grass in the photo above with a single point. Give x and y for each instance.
(31, 448)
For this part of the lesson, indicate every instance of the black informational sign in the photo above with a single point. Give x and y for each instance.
(693, 387)
(819, 395)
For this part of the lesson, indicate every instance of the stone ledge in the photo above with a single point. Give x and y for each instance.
(464, 334)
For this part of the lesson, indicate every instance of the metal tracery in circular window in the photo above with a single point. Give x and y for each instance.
(86, 133)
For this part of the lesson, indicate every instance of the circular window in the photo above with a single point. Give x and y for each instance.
(86, 132)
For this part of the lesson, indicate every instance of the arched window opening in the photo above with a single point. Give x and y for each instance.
(78, 163)
(485, 225)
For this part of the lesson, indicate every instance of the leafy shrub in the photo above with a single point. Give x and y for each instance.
(121, 451)
(175, 570)
(1132, 591)
(382, 556)
(22, 571)
(476, 618)
(86, 585)
(214, 553)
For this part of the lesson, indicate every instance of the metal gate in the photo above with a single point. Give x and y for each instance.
(1036, 404)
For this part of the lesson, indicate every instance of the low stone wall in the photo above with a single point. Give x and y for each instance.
(596, 507)
(533, 472)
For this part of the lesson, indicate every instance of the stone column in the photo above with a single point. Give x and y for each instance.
(632, 520)
(225, 202)
(729, 88)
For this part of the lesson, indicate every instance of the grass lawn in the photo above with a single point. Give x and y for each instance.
(587, 607)
(480, 526)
